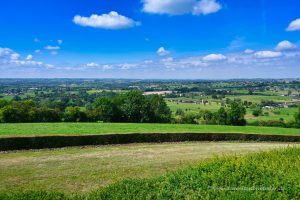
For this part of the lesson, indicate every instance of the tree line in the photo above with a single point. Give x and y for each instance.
(128, 107)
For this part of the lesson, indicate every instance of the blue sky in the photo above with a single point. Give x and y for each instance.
(205, 39)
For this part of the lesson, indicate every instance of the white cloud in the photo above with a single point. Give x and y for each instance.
(15, 56)
(148, 61)
(10, 58)
(167, 60)
(267, 54)
(214, 57)
(29, 57)
(193, 61)
(127, 66)
(4, 52)
(294, 25)
(179, 7)
(112, 20)
(52, 47)
(36, 40)
(37, 51)
(248, 51)
(162, 51)
(285, 45)
(105, 67)
(206, 7)
(92, 64)
(59, 42)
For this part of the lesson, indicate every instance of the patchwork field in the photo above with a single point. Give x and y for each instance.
(81, 170)
(34, 129)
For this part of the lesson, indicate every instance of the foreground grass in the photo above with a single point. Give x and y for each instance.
(34, 129)
(270, 175)
(85, 169)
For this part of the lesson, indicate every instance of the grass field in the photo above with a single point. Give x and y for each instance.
(192, 107)
(273, 114)
(267, 175)
(34, 129)
(271, 175)
(85, 169)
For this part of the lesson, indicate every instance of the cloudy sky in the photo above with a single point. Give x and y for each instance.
(190, 39)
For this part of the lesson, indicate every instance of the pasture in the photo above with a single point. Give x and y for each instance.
(43, 129)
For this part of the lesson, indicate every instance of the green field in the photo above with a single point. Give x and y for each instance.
(272, 175)
(268, 114)
(86, 169)
(268, 175)
(273, 114)
(192, 107)
(34, 129)
(259, 98)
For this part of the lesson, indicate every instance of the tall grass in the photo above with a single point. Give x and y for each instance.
(269, 175)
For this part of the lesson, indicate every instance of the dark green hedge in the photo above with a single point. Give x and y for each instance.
(22, 143)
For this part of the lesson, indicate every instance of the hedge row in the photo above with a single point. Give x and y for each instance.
(22, 143)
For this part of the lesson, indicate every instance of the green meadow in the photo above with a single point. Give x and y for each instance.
(42, 129)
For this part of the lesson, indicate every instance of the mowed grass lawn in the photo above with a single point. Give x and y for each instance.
(43, 129)
(84, 169)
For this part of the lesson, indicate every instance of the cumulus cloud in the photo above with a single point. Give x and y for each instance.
(49, 47)
(112, 20)
(37, 51)
(248, 51)
(162, 51)
(29, 57)
(214, 57)
(59, 42)
(267, 54)
(36, 40)
(285, 45)
(206, 7)
(294, 25)
(10, 58)
(15, 56)
(179, 7)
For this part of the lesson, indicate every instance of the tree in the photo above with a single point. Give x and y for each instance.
(74, 114)
(158, 110)
(297, 117)
(133, 106)
(236, 114)
(3, 103)
(222, 116)
(257, 111)
(179, 112)
(17, 111)
(208, 117)
(104, 109)
(45, 115)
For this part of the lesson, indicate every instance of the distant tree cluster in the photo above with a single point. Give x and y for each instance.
(234, 115)
(129, 107)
